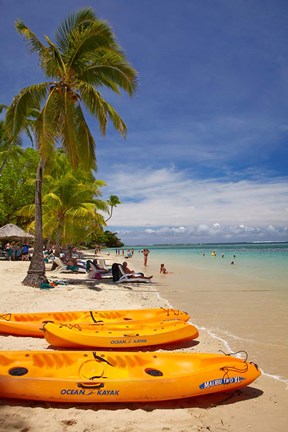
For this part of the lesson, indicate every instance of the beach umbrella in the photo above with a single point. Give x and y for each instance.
(13, 232)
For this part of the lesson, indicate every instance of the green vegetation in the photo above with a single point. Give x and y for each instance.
(71, 201)
(110, 239)
(84, 56)
(17, 185)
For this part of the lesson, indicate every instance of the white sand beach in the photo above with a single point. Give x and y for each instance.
(261, 407)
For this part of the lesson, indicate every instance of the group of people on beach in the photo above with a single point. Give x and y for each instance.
(17, 251)
(128, 254)
(127, 270)
(145, 253)
(74, 263)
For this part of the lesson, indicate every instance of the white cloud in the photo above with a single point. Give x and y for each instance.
(174, 206)
(167, 197)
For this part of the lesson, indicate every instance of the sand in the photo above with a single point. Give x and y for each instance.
(260, 407)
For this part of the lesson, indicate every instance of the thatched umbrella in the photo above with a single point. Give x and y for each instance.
(13, 232)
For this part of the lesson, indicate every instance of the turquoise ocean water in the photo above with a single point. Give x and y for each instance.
(244, 305)
(261, 260)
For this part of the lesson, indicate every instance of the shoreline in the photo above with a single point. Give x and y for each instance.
(259, 407)
(241, 311)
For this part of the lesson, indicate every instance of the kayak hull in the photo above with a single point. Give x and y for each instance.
(90, 377)
(31, 324)
(117, 336)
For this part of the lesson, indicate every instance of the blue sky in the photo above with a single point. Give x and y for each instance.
(206, 156)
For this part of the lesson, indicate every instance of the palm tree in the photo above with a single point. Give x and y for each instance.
(70, 204)
(85, 56)
(112, 202)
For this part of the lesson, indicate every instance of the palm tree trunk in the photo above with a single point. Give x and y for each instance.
(110, 214)
(3, 165)
(36, 272)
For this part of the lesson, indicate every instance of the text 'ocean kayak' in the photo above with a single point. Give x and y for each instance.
(118, 335)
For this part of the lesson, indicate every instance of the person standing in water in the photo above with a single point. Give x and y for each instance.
(145, 254)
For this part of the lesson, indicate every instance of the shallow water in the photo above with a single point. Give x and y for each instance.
(244, 304)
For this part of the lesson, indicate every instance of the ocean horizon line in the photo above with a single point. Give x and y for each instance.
(255, 242)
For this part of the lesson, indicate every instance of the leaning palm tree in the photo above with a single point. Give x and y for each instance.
(84, 57)
(112, 202)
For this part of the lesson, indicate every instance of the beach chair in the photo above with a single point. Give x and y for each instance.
(119, 276)
(102, 263)
(62, 267)
(94, 273)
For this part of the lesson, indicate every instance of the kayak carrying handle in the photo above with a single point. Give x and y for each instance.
(90, 385)
(44, 323)
(131, 335)
(95, 321)
(101, 359)
(235, 353)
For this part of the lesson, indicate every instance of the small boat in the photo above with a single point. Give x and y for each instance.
(29, 324)
(90, 377)
(127, 335)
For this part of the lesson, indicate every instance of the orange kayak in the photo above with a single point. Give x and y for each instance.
(90, 377)
(30, 324)
(127, 335)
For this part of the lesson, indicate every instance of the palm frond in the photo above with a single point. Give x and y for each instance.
(97, 184)
(98, 34)
(33, 42)
(109, 67)
(85, 213)
(68, 126)
(21, 106)
(80, 19)
(52, 61)
(101, 205)
(85, 142)
(100, 108)
(51, 200)
(26, 211)
(93, 101)
(2, 107)
(47, 126)
(116, 119)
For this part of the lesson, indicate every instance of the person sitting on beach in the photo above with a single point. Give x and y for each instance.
(100, 269)
(163, 269)
(72, 265)
(95, 269)
(132, 273)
